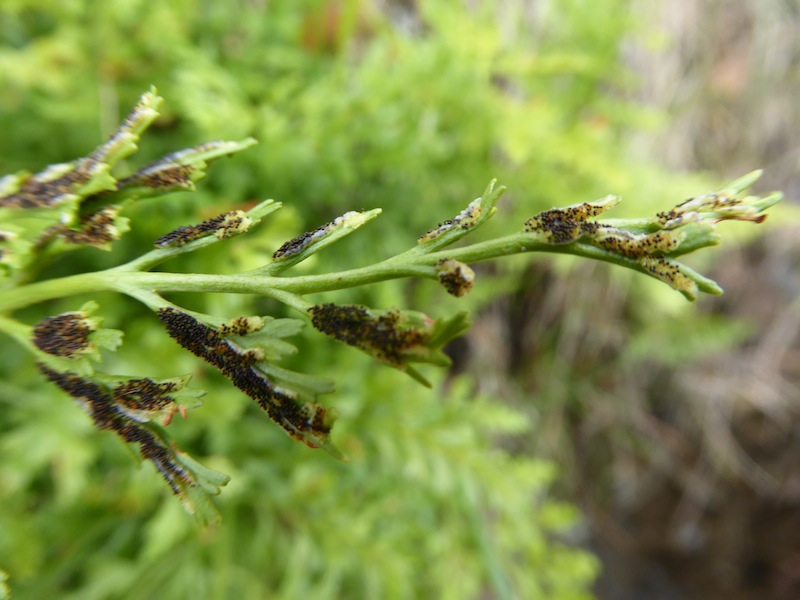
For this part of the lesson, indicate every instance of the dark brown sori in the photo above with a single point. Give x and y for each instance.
(158, 176)
(304, 422)
(144, 394)
(35, 193)
(188, 233)
(381, 335)
(99, 403)
(64, 335)
(96, 229)
(565, 225)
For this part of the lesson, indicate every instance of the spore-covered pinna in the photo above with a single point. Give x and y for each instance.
(308, 422)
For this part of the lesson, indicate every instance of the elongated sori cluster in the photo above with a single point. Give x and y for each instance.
(653, 245)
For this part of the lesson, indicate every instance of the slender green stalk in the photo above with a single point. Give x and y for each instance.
(20, 331)
(409, 264)
(401, 266)
(63, 287)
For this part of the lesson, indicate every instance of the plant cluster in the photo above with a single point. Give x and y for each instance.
(451, 492)
(79, 204)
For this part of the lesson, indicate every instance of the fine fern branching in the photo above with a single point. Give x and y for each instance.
(79, 204)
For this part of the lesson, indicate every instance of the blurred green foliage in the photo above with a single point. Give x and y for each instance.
(355, 105)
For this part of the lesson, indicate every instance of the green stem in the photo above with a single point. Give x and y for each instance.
(289, 289)
(62, 287)
(19, 331)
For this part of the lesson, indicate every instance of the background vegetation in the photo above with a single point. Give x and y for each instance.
(565, 389)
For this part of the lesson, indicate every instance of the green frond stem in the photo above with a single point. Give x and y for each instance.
(289, 289)
(62, 287)
(402, 266)
(19, 331)
(147, 297)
